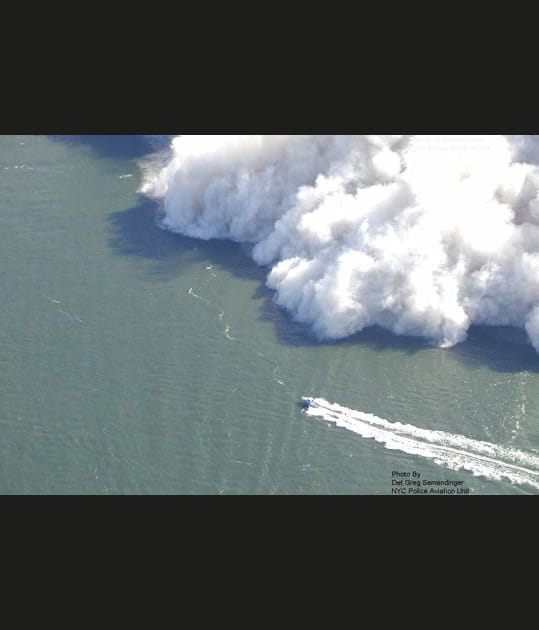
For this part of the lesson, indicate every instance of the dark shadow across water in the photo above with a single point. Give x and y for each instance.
(117, 146)
(136, 232)
(500, 348)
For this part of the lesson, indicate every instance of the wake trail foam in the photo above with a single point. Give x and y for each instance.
(453, 451)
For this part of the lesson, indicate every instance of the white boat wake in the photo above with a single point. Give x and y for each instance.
(456, 452)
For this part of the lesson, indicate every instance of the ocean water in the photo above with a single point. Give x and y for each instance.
(134, 360)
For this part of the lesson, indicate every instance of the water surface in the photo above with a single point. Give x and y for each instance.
(136, 361)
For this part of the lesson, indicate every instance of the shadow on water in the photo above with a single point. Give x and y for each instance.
(135, 232)
(118, 146)
(500, 348)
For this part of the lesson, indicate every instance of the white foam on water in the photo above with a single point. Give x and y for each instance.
(455, 452)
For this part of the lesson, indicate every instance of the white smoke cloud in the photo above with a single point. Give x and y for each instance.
(422, 235)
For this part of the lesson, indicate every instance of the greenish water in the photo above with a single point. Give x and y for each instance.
(135, 361)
